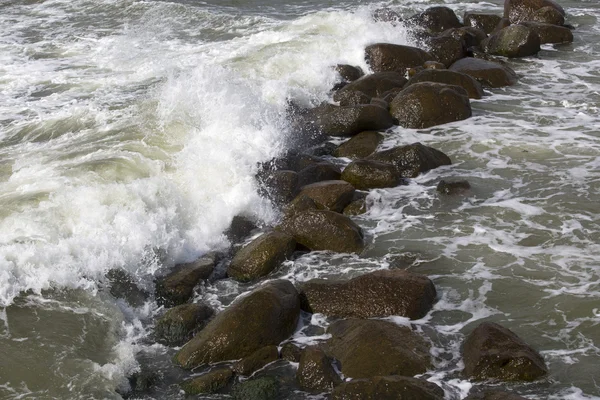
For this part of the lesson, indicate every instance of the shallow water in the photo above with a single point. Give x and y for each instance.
(129, 137)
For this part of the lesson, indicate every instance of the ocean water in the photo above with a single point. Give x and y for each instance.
(130, 133)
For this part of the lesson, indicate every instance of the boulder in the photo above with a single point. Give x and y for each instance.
(261, 357)
(427, 104)
(353, 98)
(281, 185)
(264, 388)
(349, 120)
(315, 372)
(324, 230)
(394, 57)
(332, 195)
(471, 36)
(299, 204)
(388, 388)
(523, 10)
(485, 22)
(261, 256)
(178, 324)
(453, 188)
(548, 15)
(369, 348)
(240, 228)
(357, 207)
(492, 351)
(413, 159)
(122, 286)
(429, 65)
(323, 171)
(377, 294)
(494, 395)
(473, 88)
(267, 316)
(447, 49)
(370, 174)
(504, 22)
(291, 352)
(210, 382)
(436, 19)
(359, 146)
(373, 85)
(349, 73)
(488, 73)
(513, 41)
(177, 287)
(549, 33)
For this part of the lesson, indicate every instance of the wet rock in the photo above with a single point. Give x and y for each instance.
(388, 388)
(386, 15)
(267, 316)
(123, 287)
(513, 41)
(315, 372)
(240, 228)
(369, 174)
(298, 162)
(291, 352)
(430, 65)
(377, 294)
(177, 287)
(549, 33)
(447, 49)
(393, 57)
(353, 98)
(264, 388)
(324, 230)
(323, 171)
(333, 195)
(356, 207)
(523, 10)
(282, 185)
(471, 36)
(299, 204)
(504, 22)
(369, 348)
(436, 19)
(257, 360)
(349, 73)
(473, 88)
(178, 324)
(261, 256)
(373, 85)
(488, 73)
(494, 395)
(348, 121)
(453, 188)
(210, 382)
(413, 159)
(485, 22)
(427, 104)
(140, 383)
(494, 352)
(548, 15)
(376, 101)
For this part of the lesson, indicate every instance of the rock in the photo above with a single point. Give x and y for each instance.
(447, 49)
(513, 41)
(377, 294)
(376, 101)
(436, 19)
(282, 185)
(494, 352)
(430, 65)
(323, 171)
(523, 10)
(324, 230)
(393, 57)
(488, 73)
(485, 22)
(333, 195)
(349, 73)
(549, 33)
(299, 204)
(504, 22)
(453, 188)
(353, 98)
(315, 372)
(261, 357)
(448, 77)
(210, 382)
(373, 85)
(494, 395)
(348, 121)
(391, 94)
(427, 104)
(264, 388)
(413, 159)
(298, 162)
(240, 228)
(471, 36)
(267, 316)
(123, 287)
(261, 256)
(388, 388)
(177, 286)
(359, 146)
(357, 207)
(386, 15)
(291, 352)
(369, 174)
(548, 15)
(369, 348)
(178, 324)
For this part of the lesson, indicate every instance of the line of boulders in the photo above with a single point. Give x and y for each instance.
(365, 357)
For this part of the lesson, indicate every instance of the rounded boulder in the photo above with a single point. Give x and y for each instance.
(369, 174)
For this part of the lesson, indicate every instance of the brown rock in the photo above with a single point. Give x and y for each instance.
(177, 287)
(179, 323)
(488, 73)
(549, 33)
(485, 22)
(349, 73)
(494, 395)
(513, 41)
(393, 57)
(291, 352)
(359, 146)
(373, 85)
(453, 188)
(281, 185)
(210, 382)
(323, 171)
(369, 174)
(436, 19)
(523, 10)
(413, 159)
(388, 388)
(315, 372)
(548, 15)
(350, 120)
(447, 49)
(357, 207)
(332, 195)
(448, 77)
(261, 357)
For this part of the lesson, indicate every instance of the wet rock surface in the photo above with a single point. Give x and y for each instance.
(373, 85)
(413, 159)
(315, 372)
(332, 195)
(210, 382)
(549, 33)
(524, 10)
(436, 19)
(256, 360)
(350, 120)
(388, 388)
(513, 41)
(396, 58)
(488, 73)
(360, 146)
(369, 174)
(453, 187)
(485, 22)
(491, 394)
(177, 286)
(179, 323)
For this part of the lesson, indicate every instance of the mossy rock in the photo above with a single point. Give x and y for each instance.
(388, 388)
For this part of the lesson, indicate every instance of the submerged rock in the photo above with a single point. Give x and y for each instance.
(122, 286)
(210, 382)
(267, 316)
(473, 88)
(332, 195)
(359, 146)
(393, 57)
(488, 73)
(377, 294)
(179, 323)
(492, 351)
(369, 348)
(413, 159)
(177, 287)
(453, 188)
(315, 372)
(513, 41)
(388, 388)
